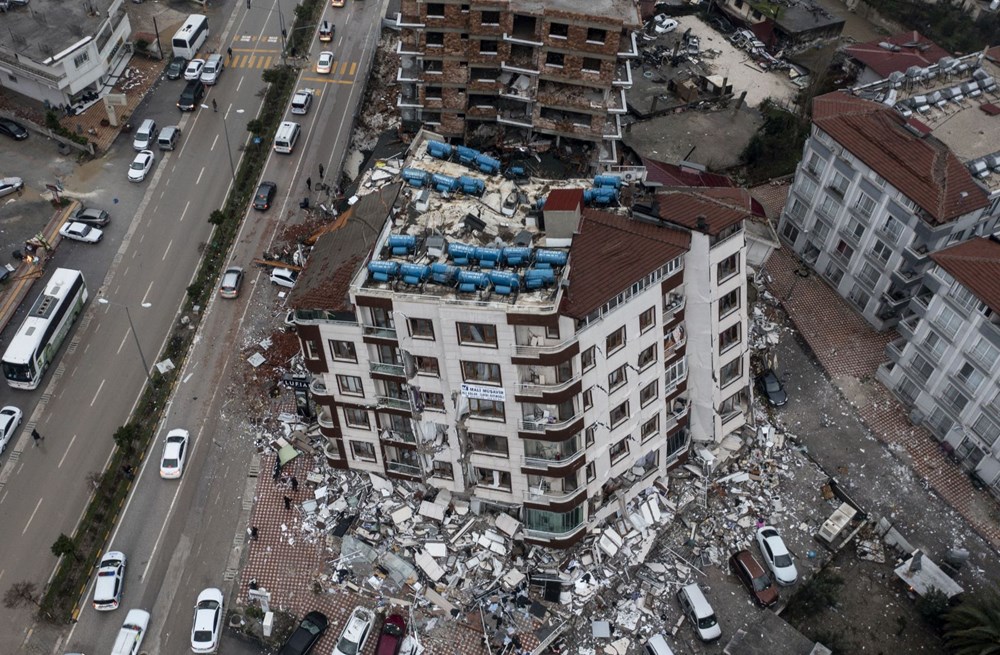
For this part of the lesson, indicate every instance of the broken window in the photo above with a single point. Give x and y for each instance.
(648, 393)
(729, 303)
(489, 443)
(729, 337)
(618, 451)
(363, 450)
(619, 414)
(343, 350)
(553, 522)
(491, 18)
(432, 92)
(650, 428)
(443, 470)
(731, 372)
(435, 10)
(596, 35)
(647, 357)
(728, 267)
(476, 334)
(487, 47)
(428, 366)
(555, 59)
(493, 478)
(435, 39)
(432, 401)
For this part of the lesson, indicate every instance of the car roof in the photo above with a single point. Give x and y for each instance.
(360, 618)
(746, 558)
(172, 450)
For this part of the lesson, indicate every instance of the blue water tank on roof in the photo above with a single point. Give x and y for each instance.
(438, 149)
(488, 257)
(516, 255)
(443, 273)
(444, 183)
(505, 282)
(414, 273)
(608, 181)
(602, 196)
(401, 244)
(383, 271)
(416, 177)
(466, 155)
(472, 186)
(549, 258)
(487, 164)
(461, 253)
(469, 281)
(536, 278)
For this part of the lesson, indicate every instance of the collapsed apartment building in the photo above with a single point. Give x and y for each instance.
(510, 70)
(512, 343)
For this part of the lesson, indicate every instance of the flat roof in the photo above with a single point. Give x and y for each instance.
(625, 11)
(46, 28)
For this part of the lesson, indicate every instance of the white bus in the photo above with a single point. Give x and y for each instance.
(45, 327)
(191, 36)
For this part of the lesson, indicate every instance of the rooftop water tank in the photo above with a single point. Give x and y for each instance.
(515, 255)
(466, 155)
(383, 271)
(461, 253)
(469, 281)
(438, 149)
(488, 257)
(414, 274)
(536, 278)
(401, 244)
(505, 282)
(444, 183)
(443, 273)
(487, 164)
(549, 258)
(611, 181)
(415, 177)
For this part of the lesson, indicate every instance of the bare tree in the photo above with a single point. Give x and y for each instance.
(21, 593)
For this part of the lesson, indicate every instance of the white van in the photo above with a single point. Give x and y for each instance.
(699, 612)
(288, 134)
(130, 636)
(168, 137)
(145, 135)
(301, 101)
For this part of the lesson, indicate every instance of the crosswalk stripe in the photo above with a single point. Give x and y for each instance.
(354, 67)
(343, 68)
(264, 62)
(251, 61)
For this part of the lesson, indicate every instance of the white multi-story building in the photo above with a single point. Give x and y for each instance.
(55, 51)
(560, 388)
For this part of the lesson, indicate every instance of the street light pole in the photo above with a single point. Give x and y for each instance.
(229, 147)
(135, 335)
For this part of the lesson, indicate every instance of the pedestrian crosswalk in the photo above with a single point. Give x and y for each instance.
(253, 59)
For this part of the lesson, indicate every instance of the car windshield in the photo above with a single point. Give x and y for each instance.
(761, 583)
(202, 635)
(169, 463)
(782, 561)
(772, 385)
(707, 622)
(138, 164)
(347, 647)
(311, 627)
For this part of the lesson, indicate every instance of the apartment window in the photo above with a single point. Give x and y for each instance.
(491, 18)
(596, 35)
(647, 319)
(796, 210)
(555, 59)
(619, 414)
(492, 478)
(363, 450)
(552, 332)
(729, 303)
(421, 328)
(356, 418)
(558, 30)
(828, 206)
(971, 376)
(820, 232)
(615, 340)
(674, 374)
(729, 337)
(481, 372)
(432, 401)
(428, 366)
(984, 353)
(816, 164)
(487, 47)
(948, 321)
(435, 10)
(940, 422)
(865, 205)
(987, 429)
(588, 398)
(587, 359)
(486, 409)
(477, 334)
(956, 237)
(859, 297)
(790, 232)
(618, 451)
(840, 184)
(955, 399)
(728, 267)
(934, 345)
(464, 9)
(648, 393)
(591, 64)
(590, 434)
(81, 59)
(350, 385)
(922, 369)
(881, 251)
(962, 296)
(343, 351)
(834, 273)
(435, 39)
(312, 352)
(731, 372)
(892, 228)
(647, 357)
(676, 441)
(443, 470)
(807, 188)
(617, 378)
(591, 472)
(855, 229)
(650, 428)
(869, 275)
(731, 406)
(844, 250)
(489, 444)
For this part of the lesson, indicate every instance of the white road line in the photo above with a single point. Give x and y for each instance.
(122, 344)
(146, 295)
(4, 497)
(200, 173)
(184, 213)
(167, 250)
(67, 452)
(1, 573)
(30, 518)
(240, 83)
(99, 390)
(214, 141)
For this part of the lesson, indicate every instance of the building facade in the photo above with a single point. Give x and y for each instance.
(56, 52)
(515, 68)
(945, 366)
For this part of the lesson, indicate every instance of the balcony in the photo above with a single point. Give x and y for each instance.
(623, 75)
(633, 47)
(673, 344)
(394, 403)
(562, 537)
(908, 327)
(612, 127)
(917, 252)
(544, 494)
(521, 62)
(542, 424)
(674, 307)
(324, 418)
(408, 21)
(544, 382)
(896, 298)
(408, 70)
(396, 436)
(515, 118)
(379, 332)
(387, 369)
(404, 469)
(894, 350)
(537, 348)
(409, 45)
(906, 276)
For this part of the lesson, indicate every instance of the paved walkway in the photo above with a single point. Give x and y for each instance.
(850, 350)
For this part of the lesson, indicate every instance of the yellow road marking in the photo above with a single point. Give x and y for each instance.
(264, 62)
(354, 67)
(343, 68)
(326, 80)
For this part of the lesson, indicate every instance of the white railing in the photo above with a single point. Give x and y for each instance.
(532, 424)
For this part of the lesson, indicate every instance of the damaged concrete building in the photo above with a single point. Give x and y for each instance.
(552, 363)
(508, 70)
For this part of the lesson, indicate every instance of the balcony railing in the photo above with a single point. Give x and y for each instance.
(394, 403)
(317, 387)
(536, 350)
(537, 387)
(544, 494)
(405, 469)
(397, 436)
(324, 419)
(542, 424)
(408, 21)
(553, 536)
(543, 460)
(671, 310)
(379, 331)
(387, 369)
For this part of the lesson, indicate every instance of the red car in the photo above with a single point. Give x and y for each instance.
(393, 633)
(754, 578)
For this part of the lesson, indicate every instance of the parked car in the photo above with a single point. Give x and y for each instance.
(10, 418)
(776, 555)
(9, 185)
(693, 45)
(207, 625)
(194, 68)
(191, 96)
(145, 135)
(391, 638)
(337, 3)
(301, 101)
(214, 66)
(110, 581)
(175, 448)
(699, 612)
(13, 129)
(326, 30)
(284, 277)
(325, 63)
(231, 281)
(754, 578)
(176, 68)
(306, 634)
(355, 634)
(265, 194)
(663, 24)
(141, 165)
(129, 639)
(81, 232)
(771, 388)
(657, 645)
(91, 216)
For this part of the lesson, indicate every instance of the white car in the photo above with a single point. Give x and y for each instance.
(194, 68)
(663, 24)
(776, 555)
(141, 166)
(207, 624)
(81, 232)
(10, 418)
(359, 626)
(301, 101)
(134, 628)
(110, 581)
(175, 448)
(9, 185)
(325, 63)
(284, 277)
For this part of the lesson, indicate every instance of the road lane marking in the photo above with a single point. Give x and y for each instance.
(240, 83)
(67, 452)
(167, 250)
(343, 68)
(146, 295)
(122, 344)
(354, 68)
(4, 497)
(30, 518)
(100, 387)
(184, 213)
(214, 141)
(200, 173)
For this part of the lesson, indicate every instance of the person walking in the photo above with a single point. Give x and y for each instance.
(215, 107)
(288, 502)
(229, 52)
(248, 4)
(309, 184)
(37, 437)
(321, 171)
(254, 533)
(295, 484)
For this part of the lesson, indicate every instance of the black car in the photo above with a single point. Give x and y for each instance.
(91, 216)
(191, 96)
(13, 129)
(308, 632)
(770, 386)
(265, 194)
(176, 68)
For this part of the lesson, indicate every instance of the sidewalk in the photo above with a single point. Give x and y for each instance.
(850, 351)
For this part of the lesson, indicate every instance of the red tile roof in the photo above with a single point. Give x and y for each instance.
(564, 200)
(706, 210)
(606, 241)
(924, 169)
(976, 265)
(666, 174)
(994, 53)
(915, 50)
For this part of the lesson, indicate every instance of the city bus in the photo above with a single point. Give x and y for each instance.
(191, 36)
(44, 328)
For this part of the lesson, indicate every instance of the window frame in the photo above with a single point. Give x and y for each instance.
(619, 334)
(333, 350)
(364, 458)
(476, 437)
(488, 417)
(623, 408)
(467, 374)
(616, 383)
(419, 333)
(435, 372)
(649, 362)
(349, 423)
(647, 320)
(460, 326)
(644, 394)
(347, 389)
